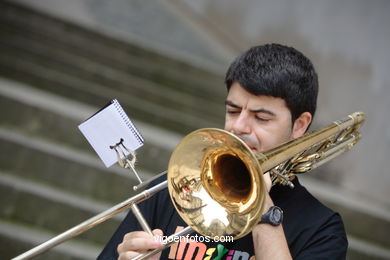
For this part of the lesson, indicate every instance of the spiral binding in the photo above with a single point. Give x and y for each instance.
(127, 121)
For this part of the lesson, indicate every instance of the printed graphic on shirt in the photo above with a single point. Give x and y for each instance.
(188, 250)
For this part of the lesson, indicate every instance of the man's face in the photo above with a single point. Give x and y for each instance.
(262, 122)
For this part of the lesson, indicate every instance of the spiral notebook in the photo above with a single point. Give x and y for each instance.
(106, 128)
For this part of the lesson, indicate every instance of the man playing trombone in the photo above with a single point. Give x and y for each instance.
(272, 94)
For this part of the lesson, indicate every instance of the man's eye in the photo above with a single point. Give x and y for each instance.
(232, 111)
(262, 119)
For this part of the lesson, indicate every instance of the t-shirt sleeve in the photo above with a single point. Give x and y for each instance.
(327, 242)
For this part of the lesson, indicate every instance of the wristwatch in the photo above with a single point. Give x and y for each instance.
(274, 216)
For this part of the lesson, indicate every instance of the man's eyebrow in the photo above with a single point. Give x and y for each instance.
(230, 103)
(263, 110)
(260, 110)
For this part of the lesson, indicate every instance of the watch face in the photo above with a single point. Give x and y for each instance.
(276, 215)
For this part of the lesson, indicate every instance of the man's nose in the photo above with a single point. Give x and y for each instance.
(241, 124)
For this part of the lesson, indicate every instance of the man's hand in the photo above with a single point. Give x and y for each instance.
(268, 182)
(268, 201)
(139, 242)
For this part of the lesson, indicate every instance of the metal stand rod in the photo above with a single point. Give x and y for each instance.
(143, 184)
(141, 220)
(129, 164)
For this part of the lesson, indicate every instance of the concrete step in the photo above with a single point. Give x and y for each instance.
(55, 81)
(63, 168)
(16, 239)
(364, 250)
(90, 69)
(86, 42)
(52, 117)
(37, 52)
(21, 54)
(58, 210)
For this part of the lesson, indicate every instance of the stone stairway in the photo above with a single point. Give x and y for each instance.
(86, 66)
(66, 181)
(55, 75)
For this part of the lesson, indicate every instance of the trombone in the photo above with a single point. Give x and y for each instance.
(215, 181)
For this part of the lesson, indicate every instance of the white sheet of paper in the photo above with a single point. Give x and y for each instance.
(106, 128)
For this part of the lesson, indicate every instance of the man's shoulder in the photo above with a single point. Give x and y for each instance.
(302, 210)
(308, 222)
(300, 198)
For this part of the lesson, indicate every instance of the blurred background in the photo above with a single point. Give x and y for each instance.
(164, 60)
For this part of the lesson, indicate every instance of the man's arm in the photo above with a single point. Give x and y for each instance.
(269, 241)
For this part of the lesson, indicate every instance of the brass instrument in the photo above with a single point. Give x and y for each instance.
(215, 181)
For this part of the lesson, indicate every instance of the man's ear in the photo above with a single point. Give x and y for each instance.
(301, 124)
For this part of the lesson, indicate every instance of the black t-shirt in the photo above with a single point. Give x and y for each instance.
(312, 230)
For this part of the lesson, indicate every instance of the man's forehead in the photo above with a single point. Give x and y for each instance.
(240, 97)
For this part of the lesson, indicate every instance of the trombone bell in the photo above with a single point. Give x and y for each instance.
(214, 183)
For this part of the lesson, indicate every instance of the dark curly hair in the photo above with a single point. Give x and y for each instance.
(278, 71)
